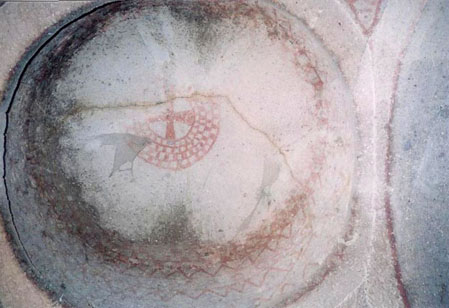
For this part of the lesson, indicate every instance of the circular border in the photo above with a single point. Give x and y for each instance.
(317, 83)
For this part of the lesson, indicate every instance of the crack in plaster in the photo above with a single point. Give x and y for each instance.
(141, 105)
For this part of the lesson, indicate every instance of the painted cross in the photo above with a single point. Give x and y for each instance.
(170, 117)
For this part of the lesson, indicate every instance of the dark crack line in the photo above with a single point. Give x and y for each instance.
(12, 221)
(8, 200)
(268, 138)
(143, 105)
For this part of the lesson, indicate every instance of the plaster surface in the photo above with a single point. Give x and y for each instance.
(242, 154)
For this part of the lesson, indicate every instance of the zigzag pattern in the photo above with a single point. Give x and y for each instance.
(276, 239)
(284, 236)
(269, 247)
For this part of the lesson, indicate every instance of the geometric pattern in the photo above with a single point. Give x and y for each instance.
(367, 13)
(170, 152)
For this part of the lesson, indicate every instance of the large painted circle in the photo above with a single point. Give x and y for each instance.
(114, 210)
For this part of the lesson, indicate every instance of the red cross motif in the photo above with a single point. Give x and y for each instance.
(170, 117)
(174, 152)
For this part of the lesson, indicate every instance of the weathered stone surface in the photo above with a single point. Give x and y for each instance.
(229, 154)
(420, 168)
(126, 143)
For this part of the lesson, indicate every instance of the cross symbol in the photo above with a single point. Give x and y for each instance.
(170, 117)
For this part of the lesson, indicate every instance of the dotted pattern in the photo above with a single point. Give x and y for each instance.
(181, 153)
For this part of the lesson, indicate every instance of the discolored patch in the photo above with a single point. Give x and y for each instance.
(172, 227)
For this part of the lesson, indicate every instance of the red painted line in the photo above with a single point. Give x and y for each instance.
(366, 30)
(173, 152)
(389, 163)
